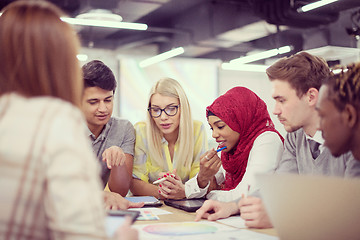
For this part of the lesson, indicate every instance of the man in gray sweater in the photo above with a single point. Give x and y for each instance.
(295, 87)
(296, 81)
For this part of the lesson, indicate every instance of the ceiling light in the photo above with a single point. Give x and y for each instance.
(104, 23)
(261, 55)
(82, 57)
(339, 70)
(100, 14)
(346, 55)
(314, 5)
(103, 20)
(244, 67)
(161, 57)
(250, 32)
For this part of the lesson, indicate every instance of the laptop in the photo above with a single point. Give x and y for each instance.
(312, 207)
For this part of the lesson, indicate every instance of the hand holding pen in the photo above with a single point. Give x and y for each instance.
(170, 186)
(163, 178)
(218, 150)
(253, 211)
(210, 164)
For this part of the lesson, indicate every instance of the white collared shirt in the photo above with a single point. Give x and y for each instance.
(317, 138)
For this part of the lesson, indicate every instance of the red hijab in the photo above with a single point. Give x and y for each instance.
(244, 112)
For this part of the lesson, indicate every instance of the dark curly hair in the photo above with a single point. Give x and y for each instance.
(344, 85)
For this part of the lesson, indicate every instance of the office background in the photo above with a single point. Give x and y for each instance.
(210, 33)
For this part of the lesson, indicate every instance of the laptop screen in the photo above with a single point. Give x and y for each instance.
(312, 207)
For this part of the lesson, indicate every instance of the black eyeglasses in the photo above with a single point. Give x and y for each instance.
(169, 110)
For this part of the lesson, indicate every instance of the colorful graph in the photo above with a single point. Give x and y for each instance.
(179, 229)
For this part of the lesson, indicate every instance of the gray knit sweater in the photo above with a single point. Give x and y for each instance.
(297, 159)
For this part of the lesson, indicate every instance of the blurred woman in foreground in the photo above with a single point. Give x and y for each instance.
(49, 181)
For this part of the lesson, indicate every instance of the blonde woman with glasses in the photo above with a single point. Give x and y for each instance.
(168, 145)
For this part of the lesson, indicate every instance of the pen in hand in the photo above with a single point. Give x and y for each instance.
(162, 179)
(220, 149)
(247, 192)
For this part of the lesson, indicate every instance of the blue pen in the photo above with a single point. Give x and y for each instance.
(220, 149)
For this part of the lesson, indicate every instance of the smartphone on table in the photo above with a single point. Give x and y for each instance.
(115, 218)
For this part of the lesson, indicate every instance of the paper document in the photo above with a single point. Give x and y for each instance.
(154, 210)
(147, 215)
(234, 221)
(196, 231)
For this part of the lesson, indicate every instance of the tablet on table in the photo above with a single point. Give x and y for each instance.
(189, 205)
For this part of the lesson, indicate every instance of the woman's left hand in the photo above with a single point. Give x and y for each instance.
(172, 188)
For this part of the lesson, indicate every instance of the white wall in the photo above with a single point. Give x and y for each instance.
(203, 81)
(110, 59)
(197, 77)
(255, 81)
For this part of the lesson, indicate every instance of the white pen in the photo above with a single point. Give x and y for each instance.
(162, 179)
(248, 190)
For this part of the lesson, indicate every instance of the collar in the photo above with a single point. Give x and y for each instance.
(317, 137)
(102, 134)
(89, 133)
(163, 140)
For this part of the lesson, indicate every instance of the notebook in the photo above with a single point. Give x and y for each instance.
(312, 207)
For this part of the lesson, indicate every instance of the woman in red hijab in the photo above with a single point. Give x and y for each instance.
(239, 121)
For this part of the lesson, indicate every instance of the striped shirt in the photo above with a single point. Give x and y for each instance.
(49, 177)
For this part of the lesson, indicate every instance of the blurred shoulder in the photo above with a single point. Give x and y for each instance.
(140, 126)
(120, 122)
(198, 125)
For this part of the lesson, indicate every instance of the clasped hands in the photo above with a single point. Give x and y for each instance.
(172, 187)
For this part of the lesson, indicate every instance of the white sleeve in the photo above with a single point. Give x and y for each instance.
(263, 158)
(220, 176)
(192, 189)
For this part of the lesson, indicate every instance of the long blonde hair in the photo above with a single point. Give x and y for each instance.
(38, 52)
(171, 88)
